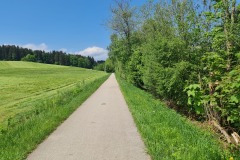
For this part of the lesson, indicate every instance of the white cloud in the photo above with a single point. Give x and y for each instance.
(96, 52)
(41, 46)
(63, 49)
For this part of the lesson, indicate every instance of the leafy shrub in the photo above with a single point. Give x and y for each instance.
(29, 58)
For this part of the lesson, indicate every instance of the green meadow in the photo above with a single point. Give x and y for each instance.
(22, 83)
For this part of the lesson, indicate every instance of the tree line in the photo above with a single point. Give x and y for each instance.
(184, 53)
(16, 53)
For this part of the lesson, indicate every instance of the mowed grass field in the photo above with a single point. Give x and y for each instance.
(23, 83)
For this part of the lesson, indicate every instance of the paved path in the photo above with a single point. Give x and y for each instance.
(101, 129)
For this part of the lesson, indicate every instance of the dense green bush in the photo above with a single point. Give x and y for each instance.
(29, 58)
(181, 54)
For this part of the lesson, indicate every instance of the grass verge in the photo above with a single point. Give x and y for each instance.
(21, 138)
(166, 134)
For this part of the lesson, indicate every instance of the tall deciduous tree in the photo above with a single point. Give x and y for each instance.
(123, 23)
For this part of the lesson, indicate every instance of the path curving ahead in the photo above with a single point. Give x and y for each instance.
(102, 128)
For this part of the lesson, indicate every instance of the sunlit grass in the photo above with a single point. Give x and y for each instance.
(168, 135)
(26, 82)
(32, 114)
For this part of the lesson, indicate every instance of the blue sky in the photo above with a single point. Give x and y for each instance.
(74, 26)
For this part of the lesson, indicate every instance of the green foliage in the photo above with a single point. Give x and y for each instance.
(109, 67)
(194, 98)
(228, 96)
(105, 66)
(134, 68)
(176, 80)
(186, 54)
(182, 54)
(218, 90)
(117, 50)
(100, 67)
(15, 53)
(29, 58)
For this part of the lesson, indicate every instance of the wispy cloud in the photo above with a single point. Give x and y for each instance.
(96, 52)
(63, 49)
(41, 46)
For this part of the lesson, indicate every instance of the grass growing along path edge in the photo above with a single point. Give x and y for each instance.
(166, 134)
(21, 139)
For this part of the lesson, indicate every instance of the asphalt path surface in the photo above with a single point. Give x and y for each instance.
(102, 128)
